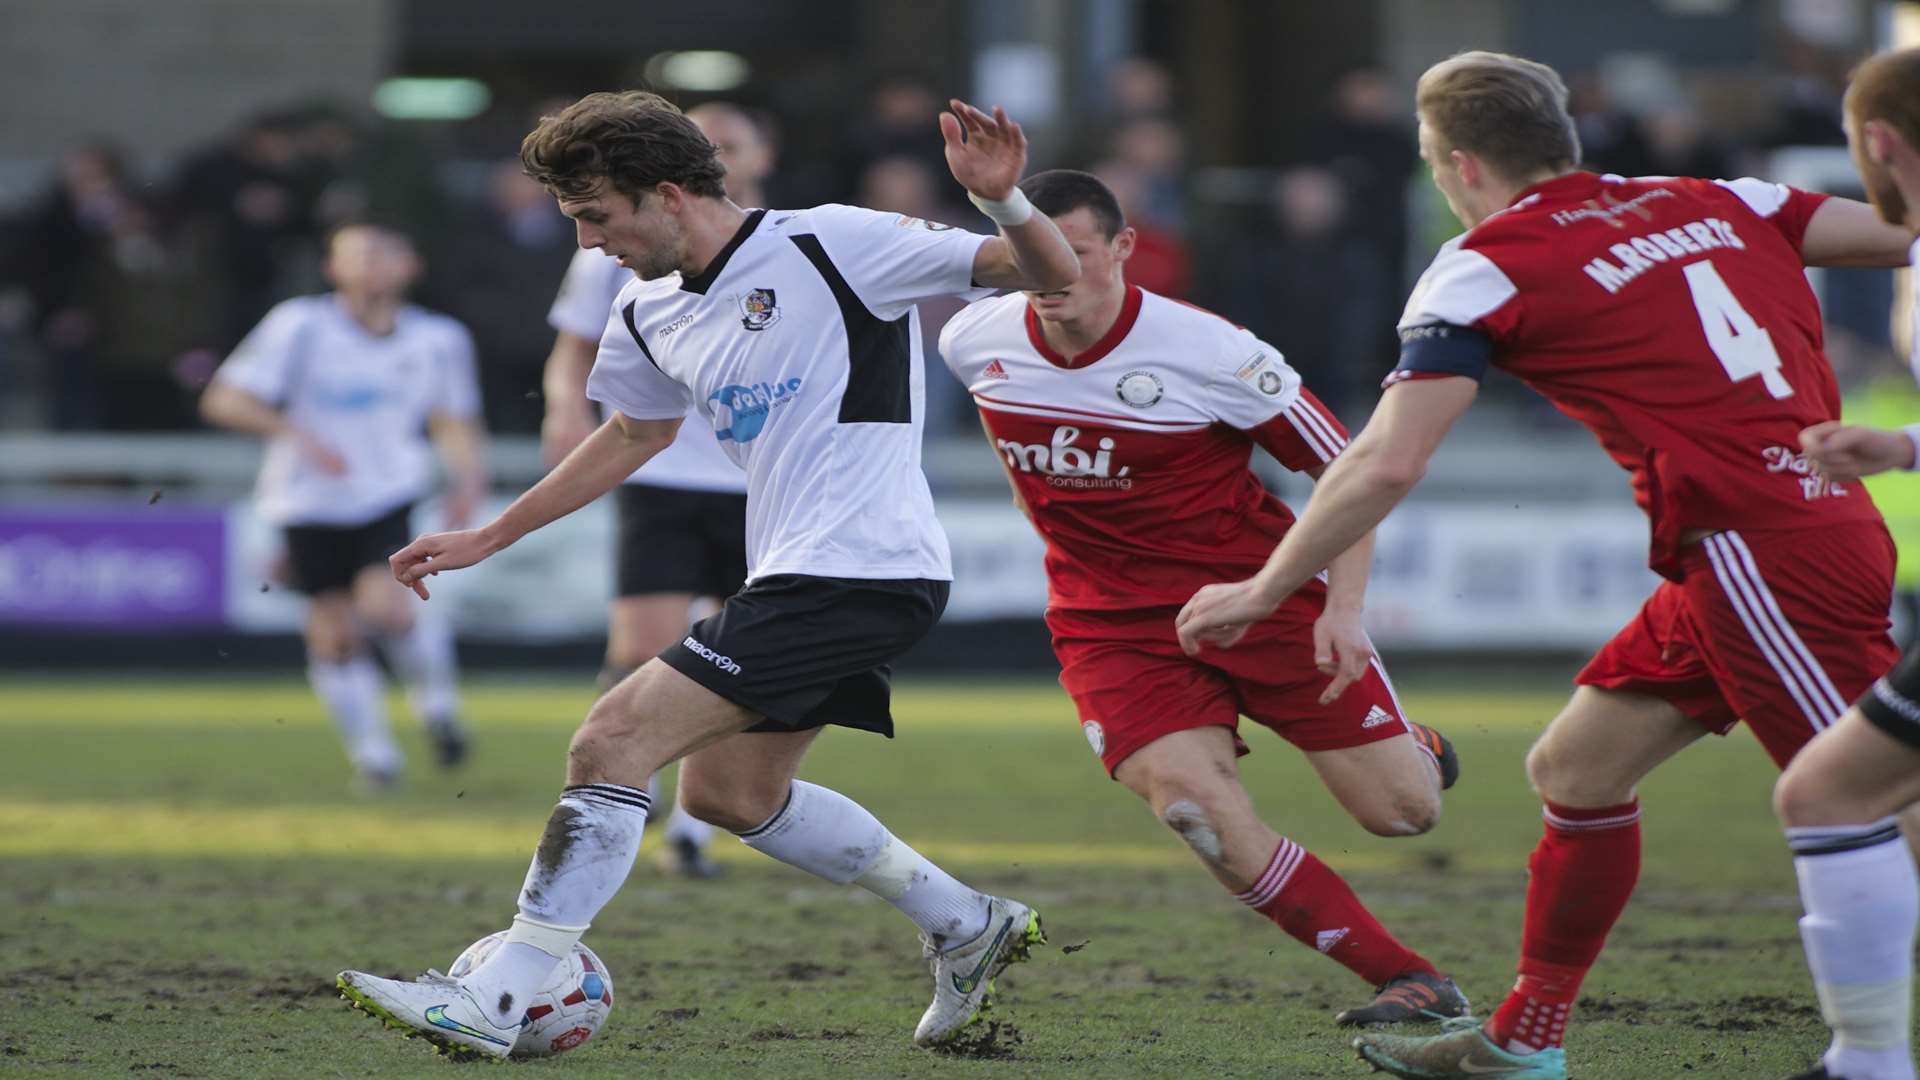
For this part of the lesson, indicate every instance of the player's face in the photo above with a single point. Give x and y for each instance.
(643, 236)
(1874, 175)
(1102, 268)
(371, 262)
(1446, 175)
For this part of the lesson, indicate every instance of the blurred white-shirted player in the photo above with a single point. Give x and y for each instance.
(346, 387)
(683, 515)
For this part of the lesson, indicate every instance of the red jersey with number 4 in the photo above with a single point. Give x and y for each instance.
(1133, 457)
(1673, 318)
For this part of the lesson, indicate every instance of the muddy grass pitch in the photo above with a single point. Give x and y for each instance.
(185, 866)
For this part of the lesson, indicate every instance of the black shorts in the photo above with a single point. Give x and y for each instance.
(804, 652)
(1893, 703)
(677, 541)
(325, 558)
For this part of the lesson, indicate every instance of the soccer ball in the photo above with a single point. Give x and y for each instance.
(568, 1010)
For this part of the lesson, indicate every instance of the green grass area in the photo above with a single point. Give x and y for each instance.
(185, 864)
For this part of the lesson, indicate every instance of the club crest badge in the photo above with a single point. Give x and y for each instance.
(759, 309)
(1140, 389)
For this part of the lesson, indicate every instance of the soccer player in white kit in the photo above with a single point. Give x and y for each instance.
(346, 386)
(682, 516)
(1845, 796)
(793, 335)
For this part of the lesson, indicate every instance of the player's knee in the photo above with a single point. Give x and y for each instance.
(1802, 798)
(735, 809)
(1547, 772)
(1190, 821)
(1408, 812)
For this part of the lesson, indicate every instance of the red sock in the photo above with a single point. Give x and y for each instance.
(1578, 882)
(1310, 902)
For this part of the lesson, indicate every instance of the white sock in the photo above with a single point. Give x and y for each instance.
(829, 835)
(424, 659)
(355, 695)
(1862, 897)
(584, 855)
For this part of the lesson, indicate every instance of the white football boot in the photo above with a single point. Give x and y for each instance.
(963, 976)
(432, 1007)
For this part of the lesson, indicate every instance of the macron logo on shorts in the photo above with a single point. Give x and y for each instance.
(724, 663)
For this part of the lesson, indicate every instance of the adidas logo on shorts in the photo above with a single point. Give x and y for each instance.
(724, 663)
(1375, 716)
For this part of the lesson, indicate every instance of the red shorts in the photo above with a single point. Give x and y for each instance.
(1132, 684)
(1780, 628)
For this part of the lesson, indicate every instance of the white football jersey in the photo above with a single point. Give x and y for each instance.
(368, 398)
(799, 346)
(694, 462)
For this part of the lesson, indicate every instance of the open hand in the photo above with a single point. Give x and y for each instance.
(1847, 452)
(435, 552)
(989, 159)
(1221, 615)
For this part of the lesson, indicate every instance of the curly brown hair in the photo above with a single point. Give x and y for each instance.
(631, 140)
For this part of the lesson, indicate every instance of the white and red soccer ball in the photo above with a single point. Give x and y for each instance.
(567, 1011)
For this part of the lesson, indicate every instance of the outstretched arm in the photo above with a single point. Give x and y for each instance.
(1366, 481)
(607, 457)
(1845, 232)
(1340, 645)
(987, 155)
(1847, 452)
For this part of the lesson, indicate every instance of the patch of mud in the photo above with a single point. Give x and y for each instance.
(993, 1040)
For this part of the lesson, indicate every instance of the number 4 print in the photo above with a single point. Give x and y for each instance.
(1744, 349)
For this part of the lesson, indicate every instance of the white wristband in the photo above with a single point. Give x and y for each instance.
(1912, 432)
(1012, 210)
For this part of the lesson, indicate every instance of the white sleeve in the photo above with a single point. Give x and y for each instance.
(586, 294)
(1251, 381)
(457, 382)
(265, 360)
(893, 262)
(626, 379)
(1460, 288)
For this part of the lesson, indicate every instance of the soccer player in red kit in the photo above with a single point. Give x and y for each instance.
(1672, 318)
(1126, 422)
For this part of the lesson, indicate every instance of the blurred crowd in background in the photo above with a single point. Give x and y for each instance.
(121, 291)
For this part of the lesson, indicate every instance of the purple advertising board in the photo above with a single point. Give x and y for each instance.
(112, 565)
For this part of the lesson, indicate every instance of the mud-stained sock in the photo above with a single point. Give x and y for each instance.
(584, 855)
(829, 835)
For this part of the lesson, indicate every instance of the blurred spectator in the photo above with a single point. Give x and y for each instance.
(1161, 262)
(241, 206)
(1678, 145)
(1139, 87)
(1154, 153)
(1369, 142)
(746, 147)
(1611, 140)
(1808, 109)
(1299, 280)
(900, 121)
(111, 306)
(495, 272)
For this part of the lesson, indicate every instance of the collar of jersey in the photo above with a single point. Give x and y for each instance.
(1129, 312)
(703, 281)
(1564, 184)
